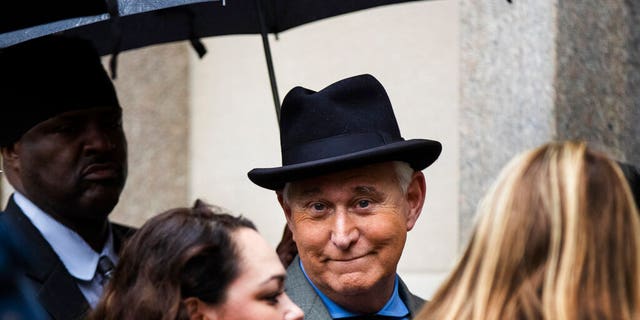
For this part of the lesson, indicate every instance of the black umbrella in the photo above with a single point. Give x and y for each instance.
(17, 15)
(134, 24)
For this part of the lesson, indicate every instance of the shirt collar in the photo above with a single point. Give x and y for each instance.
(394, 307)
(77, 256)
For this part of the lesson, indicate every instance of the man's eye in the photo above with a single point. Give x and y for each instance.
(363, 203)
(319, 206)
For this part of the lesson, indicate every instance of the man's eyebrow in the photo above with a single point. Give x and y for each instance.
(309, 192)
(367, 190)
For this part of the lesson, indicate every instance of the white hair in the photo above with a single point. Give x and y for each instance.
(404, 172)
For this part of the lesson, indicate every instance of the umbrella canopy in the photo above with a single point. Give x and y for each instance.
(23, 14)
(132, 24)
(137, 17)
(146, 22)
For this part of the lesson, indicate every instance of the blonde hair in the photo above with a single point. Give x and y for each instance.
(558, 237)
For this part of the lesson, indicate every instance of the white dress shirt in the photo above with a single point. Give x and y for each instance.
(77, 256)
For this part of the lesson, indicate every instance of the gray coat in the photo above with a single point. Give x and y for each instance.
(302, 294)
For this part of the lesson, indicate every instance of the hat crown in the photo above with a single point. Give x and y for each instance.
(343, 126)
(350, 115)
(48, 76)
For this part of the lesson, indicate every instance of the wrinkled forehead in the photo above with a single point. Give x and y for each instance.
(365, 179)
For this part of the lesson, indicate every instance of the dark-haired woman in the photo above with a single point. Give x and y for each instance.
(197, 264)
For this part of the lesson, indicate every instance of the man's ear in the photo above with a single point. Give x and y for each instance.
(415, 196)
(11, 157)
(285, 208)
(196, 310)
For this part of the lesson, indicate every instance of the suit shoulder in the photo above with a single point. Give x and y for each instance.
(123, 230)
(412, 301)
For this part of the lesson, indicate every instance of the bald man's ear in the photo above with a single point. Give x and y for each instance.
(10, 157)
(8, 151)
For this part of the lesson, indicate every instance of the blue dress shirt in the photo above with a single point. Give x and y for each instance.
(394, 307)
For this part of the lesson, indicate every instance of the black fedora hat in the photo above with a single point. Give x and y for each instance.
(347, 124)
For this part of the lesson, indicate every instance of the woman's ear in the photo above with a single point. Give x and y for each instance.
(198, 310)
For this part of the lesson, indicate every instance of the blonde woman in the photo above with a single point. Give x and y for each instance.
(558, 237)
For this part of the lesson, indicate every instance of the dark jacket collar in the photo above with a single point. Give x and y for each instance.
(56, 290)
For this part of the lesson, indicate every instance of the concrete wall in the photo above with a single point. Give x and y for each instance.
(5, 190)
(153, 87)
(507, 96)
(534, 71)
(412, 48)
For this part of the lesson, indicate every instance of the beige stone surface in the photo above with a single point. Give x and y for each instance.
(534, 71)
(5, 190)
(597, 77)
(153, 86)
(507, 94)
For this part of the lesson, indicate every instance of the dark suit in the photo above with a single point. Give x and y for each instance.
(57, 291)
(303, 294)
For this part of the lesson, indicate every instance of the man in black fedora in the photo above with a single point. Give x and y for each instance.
(65, 154)
(351, 188)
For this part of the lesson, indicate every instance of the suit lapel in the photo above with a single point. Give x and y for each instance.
(60, 296)
(56, 289)
(302, 294)
(413, 302)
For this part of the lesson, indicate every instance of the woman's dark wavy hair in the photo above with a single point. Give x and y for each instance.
(181, 253)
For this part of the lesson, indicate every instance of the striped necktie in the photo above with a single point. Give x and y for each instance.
(105, 269)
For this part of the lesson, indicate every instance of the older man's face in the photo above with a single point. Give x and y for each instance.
(73, 166)
(350, 227)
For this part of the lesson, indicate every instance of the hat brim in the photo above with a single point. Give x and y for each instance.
(419, 153)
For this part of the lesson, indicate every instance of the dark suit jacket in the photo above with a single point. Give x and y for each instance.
(302, 294)
(57, 291)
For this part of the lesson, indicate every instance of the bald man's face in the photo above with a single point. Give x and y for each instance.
(72, 166)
